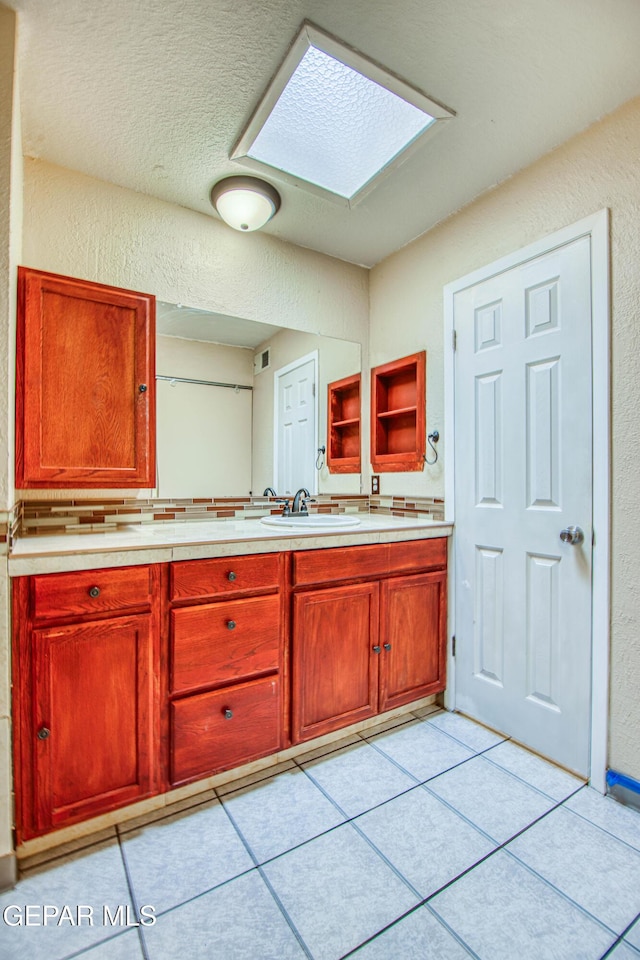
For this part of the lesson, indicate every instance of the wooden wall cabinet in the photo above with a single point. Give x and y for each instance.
(369, 646)
(86, 666)
(85, 384)
(226, 664)
(343, 427)
(398, 415)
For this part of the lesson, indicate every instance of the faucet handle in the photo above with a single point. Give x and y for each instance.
(305, 501)
(285, 510)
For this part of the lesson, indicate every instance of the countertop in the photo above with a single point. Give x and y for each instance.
(194, 540)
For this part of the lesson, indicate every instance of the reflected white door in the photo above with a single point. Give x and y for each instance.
(523, 454)
(296, 427)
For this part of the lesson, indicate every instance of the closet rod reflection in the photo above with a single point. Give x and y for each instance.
(206, 383)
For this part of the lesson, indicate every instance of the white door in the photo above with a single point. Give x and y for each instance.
(523, 474)
(296, 427)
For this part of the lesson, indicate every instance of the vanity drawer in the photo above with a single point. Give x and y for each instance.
(205, 739)
(418, 555)
(375, 560)
(90, 592)
(197, 579)
(340, 563)
(224, 642)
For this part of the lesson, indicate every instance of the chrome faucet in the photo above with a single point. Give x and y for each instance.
(269, 492)
(300, 501)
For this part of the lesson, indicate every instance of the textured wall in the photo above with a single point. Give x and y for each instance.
(197, 425)
(87, 228)
(599, 168)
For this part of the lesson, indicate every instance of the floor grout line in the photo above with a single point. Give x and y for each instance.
(132, 894)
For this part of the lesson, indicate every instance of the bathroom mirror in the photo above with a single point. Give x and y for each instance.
(216, 384)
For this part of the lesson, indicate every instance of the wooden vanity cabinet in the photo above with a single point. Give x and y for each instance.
(370, 646)
(86, 696)
(85, 384)
(226, 663)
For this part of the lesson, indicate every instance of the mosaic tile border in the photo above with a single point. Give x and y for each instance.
(37, 518)
(422, 507)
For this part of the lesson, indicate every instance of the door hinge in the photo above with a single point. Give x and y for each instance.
(453, 646)
(453, 338)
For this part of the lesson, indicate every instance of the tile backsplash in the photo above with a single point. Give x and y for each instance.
(33, 517)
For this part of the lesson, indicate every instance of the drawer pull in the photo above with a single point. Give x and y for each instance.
(43, 733)
(94, 592)
(232, 576)
(387, 646)
(228, 714)
(376, 649)
(231, 624)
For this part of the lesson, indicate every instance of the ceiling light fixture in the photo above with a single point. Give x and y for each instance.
(245, 203)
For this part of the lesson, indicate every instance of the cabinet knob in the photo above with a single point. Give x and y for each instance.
(228, 714)
(387, 646)
(94, 592)
(376, 649)
(142, 388)
(43, 733)
(231, 575)
(231, 624)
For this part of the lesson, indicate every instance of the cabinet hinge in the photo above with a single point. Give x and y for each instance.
(453, 646)
(453, 339)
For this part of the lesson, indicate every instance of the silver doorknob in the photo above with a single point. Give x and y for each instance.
(572, 535)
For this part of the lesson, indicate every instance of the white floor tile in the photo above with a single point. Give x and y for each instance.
(276, 815)
(597, 871)
(425, 841)
(183, 856)
(534, 770)
(358, 778)
(501, 912)
(338, 892)
(490, 798)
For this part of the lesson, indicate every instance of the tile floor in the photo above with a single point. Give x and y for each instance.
(429, 838)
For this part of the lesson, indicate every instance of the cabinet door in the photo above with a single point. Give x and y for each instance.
(413, 625)
(335, 667)
(93, 718)
(85, 384)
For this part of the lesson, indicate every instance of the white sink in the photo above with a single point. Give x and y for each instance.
(317, 521)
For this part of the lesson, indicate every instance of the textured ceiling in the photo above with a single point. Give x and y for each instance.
(174, 320)
(152, 95)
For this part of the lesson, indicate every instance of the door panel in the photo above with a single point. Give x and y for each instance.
(93, 710)
(523, 473)
(335, 672)
(413, 638)
(296, 429)
(85, 384)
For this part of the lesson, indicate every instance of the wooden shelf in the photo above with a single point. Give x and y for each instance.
(398, 415)
(343, 426)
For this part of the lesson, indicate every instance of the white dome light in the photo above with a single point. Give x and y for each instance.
(245, 203)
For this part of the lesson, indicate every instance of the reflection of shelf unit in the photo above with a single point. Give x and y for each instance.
(398, 415)
(343, 428)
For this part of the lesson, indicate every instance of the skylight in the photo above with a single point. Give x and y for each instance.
(332, 119)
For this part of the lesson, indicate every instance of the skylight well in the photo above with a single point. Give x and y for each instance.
(332, 120)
